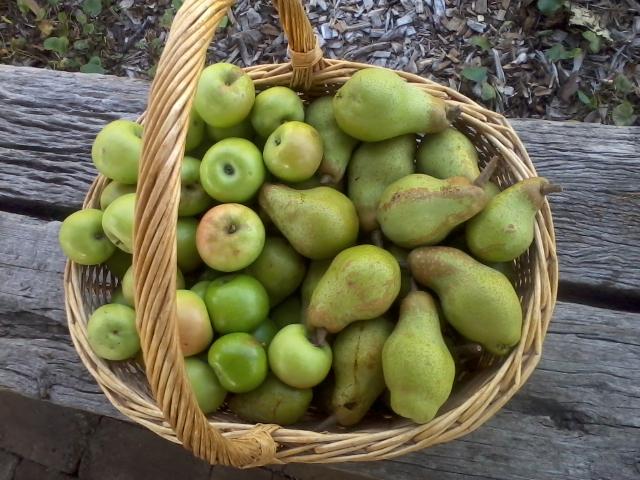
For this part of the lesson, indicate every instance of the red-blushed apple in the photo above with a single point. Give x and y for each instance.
(83, 239)
(116, 151)
(224, 95)
(230, 237)
(194, 326)
(112, 333)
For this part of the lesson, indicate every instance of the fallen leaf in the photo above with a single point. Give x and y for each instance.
(45, 27)
(475, 74)
(587, 18)
(623, 114)
(32, 5)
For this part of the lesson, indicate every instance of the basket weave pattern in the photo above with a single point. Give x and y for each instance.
(160, 397)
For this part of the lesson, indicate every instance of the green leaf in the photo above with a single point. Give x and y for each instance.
(57, 44)
(223, 23)
(177, 3)
(81, 45)
(54, 3)
(62, 17)
(480, 42)
(587, 100)
(595, 42)
(550, 7)
(31, 6)
(89, 28)
(475, 74)
(93, 66)
(623, 114)
(81, 17)
(92, 7)
(622, 84)
(558, 52)
(167, 18)
(487, 92)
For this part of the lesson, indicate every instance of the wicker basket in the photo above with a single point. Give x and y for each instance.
(160, 398)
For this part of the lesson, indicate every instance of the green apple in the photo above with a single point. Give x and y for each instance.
(194, 326)
(225, 95)
(296, 360)
(193, 198)
(232, 170)
(230, 237)
(279, 268)
(116, 151)
(117, 221)
(236, 303)
(128, 285)
(239, 361)
(83, 239)
(200, 288)
(113, 191)
(195, 131)
(210, 274)
(119, 262)
(293, 151)
(273, 107)
(244, 129)
(265, 332)
(288, 312)
(188, 258)
(112, 333)
(209, 393)
(118, 297)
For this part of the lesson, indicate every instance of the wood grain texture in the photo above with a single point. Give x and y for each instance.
(50, 119)
(577, 417)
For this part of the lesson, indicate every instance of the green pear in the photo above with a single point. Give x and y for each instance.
(287, 313)
(401, 255)
(357, 365)
(421, 210)
(116, 151)
(418, 367)
(361, 283)
(272, 402)
(373, 167)
(244, 129)
(448, 154)
(316, 270)
(273, 107)
(337, 144)
(377, 104)
(319, 222)
(478, 301)
(504, 229)
(279, 268)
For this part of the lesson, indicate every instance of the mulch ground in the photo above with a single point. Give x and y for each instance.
(577, 60)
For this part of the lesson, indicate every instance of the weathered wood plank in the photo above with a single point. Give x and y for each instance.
(577, 417)
(50, 119)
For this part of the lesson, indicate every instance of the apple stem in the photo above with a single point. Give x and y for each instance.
(376, 238)
(486, 173)
(319, 337)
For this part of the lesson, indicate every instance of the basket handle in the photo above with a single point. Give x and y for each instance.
(158, 192)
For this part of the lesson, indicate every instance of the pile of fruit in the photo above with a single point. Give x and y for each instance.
(309, 235)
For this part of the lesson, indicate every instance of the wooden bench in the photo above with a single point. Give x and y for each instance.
(577, 417)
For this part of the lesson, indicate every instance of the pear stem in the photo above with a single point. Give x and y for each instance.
(328, 422)
(453, 113)
(319, 337)
(468, 350)
(376, 238)
(403, 264)
(414, 285)
(486, 173)
(550, 188)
